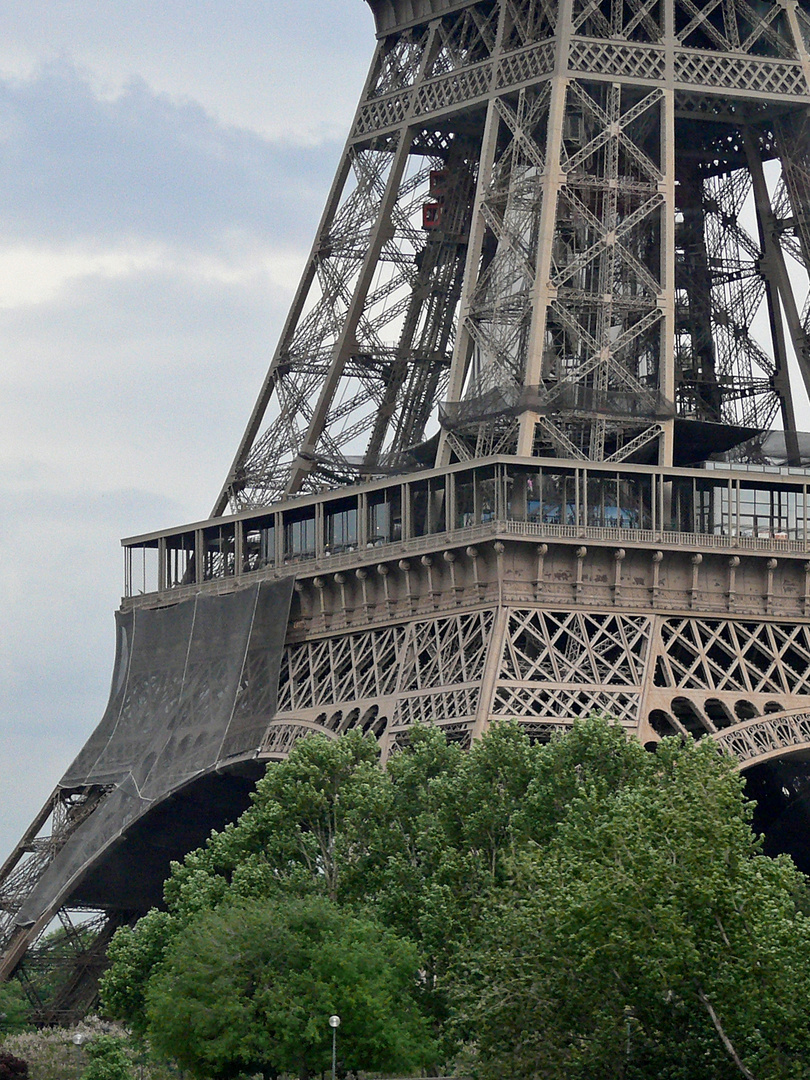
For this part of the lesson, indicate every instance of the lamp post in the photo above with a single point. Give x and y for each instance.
(334, 1024)
(629, 1016)
(78, 1038)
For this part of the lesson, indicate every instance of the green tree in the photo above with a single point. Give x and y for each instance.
(15, 1009)
(108, 1059)
(299, 834)
(250, 988)
(623, 891)
(134, 955)
(648, 938)
(297, 839)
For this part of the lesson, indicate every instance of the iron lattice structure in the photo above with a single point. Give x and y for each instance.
(527, 447)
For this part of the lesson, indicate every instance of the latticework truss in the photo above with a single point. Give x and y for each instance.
(551, 233)
(546, 665)
(563, 665)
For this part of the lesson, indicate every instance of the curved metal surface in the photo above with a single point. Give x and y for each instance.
(193, 691)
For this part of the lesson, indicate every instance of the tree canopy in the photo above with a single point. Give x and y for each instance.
(107, 1059)
(649, 938)
(250, 987)
(581, 908)
(15, 1009)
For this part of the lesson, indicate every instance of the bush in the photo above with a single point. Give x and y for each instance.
(50, 1053)
(11, 1067)
(108, 1059)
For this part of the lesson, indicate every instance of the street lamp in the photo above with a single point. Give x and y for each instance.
(334, 1024)
(78, 1038)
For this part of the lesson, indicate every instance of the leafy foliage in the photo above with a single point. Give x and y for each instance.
(249, 989)
(649, 938)
(11, 1067)
(135, 955)
(52, 1055)
(108, 1059)
(582, 908)
(15, 1009)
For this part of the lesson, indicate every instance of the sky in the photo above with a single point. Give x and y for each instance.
(163, 166)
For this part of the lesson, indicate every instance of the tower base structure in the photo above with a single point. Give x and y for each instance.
(673, 601)
(557, 279)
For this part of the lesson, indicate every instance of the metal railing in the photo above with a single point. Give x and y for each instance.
(471, 535)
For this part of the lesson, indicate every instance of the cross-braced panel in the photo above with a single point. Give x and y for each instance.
(398, 62)
(716, 72)
(599, 389)
(60, 979)
(356, 383)
(610, 58)
(529, 21)
(419, 657)
(590, 648)
(725, 654)
(500, 312)
(565, 703)
(461, 87)
(565, 664)
(445, 651)
(465, 37)
(634, 20)
(437, 707)
(737, 26)
(723, 373)
(380, 113)
(526, 64)
(339, 669)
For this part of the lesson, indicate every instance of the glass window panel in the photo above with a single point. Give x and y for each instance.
(517, 494)
(260, 544)
(385, 516)
(218, 551)
(299, 538)
(341, 527)
(559, 506)
(465, 500)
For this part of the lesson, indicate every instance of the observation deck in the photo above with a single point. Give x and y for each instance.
(754, 510)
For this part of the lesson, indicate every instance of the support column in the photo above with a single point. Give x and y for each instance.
(491, 669)
(666, 373)
(778, 284)
(553, 180)
(463, 344)
(266, 392)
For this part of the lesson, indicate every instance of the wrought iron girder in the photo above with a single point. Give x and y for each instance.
(728, 40)
(529, 21)
(614, 127)
(613, 184)
(465, 37)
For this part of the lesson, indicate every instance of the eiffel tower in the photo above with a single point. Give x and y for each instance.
(527, 447)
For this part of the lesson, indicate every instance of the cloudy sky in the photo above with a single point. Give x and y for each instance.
(163, 164)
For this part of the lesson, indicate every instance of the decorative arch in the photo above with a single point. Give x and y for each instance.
(764, 738)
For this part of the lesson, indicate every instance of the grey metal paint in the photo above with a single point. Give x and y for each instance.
(193, 690)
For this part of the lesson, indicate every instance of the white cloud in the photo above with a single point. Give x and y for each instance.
(35, 275)
(288, 70)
